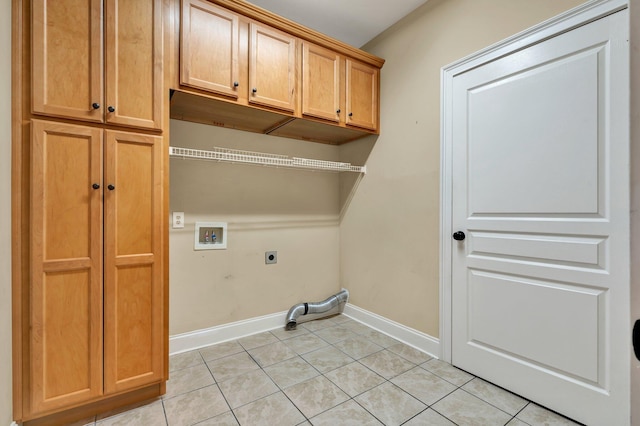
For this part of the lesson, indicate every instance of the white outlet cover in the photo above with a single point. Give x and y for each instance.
(178, 219)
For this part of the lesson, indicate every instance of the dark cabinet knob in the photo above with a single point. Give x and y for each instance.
(95, 105)
(459, 236)
(111, 187)
(95, 186)
(236, 84)
(338, 111)
(254, 90)
(350, 114)
(111, 109)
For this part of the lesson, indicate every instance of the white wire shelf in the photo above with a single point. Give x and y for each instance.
(264, 159)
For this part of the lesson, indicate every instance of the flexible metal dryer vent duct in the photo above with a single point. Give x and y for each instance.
(310, 311)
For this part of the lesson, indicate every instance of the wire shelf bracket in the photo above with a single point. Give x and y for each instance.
(264, 159)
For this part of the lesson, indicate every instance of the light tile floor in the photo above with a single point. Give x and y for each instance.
(334, 371)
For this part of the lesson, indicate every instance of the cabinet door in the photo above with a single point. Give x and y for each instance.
(134, 293)
(134, 64)
(320, 82)
(67, 59)
(272, 68)
(209, 48)
(66, 265)
(362, 95)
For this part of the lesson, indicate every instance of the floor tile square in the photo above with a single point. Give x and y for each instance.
(231, 366)
(341, 319)
(349, 413)
(500, 398)
(305, 343)
(185, 360)
(358, 346)
(423, 385)
(290, 372)
(271, 354)
(195, 406)
(355, 378)
(379, 338)
(535, 415)
(283, 334)
(327, 359)
(256, 340)
(225, 419)
(318, 324)
(274, 409)
(430, 418)
(447, 371)
(387, 364)
(335, 334)
(357, 327)
(188, 379)
(220, 350)
(247, 388)
(390, 404)
(150, 414)
(465, 409)
(316, 395)
(410, 354)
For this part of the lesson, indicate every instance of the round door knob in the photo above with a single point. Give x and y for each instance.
(111, 109)
(95, 105)
(459, 236)
(95, 186)
(111, 187)
(254, 90)
(236, 84)
(338, 111)
(350, 114)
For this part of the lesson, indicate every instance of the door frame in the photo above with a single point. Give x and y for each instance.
(581, 15)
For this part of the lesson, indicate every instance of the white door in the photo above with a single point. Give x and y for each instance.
(540, 188)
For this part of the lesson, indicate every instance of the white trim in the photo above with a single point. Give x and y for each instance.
(581, 15)
(210, 336)
(421, 341)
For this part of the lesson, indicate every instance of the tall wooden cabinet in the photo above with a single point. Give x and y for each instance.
(93, 198)
(98, 63)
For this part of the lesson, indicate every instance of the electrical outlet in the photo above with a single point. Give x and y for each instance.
(178, 219)
(270, 257)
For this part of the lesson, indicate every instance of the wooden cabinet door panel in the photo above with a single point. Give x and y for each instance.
(320, 82)
(362, 95)
(66, 265)
(134, 63)
(209, 48)
(272, 68)
(133, 261)
(67, 59)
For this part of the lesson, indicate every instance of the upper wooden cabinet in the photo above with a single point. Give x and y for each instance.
(209, 48)
(362, 95)
(272, 67)
(80, 52)
(321, 82)
(247, 63)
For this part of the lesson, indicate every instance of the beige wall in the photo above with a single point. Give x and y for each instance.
(292, 211)
(5, 213)
(389, 235)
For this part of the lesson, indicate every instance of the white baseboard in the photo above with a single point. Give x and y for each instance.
(411, 337)
(210, 336)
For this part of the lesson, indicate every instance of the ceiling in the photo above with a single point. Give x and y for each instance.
(354, 22)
